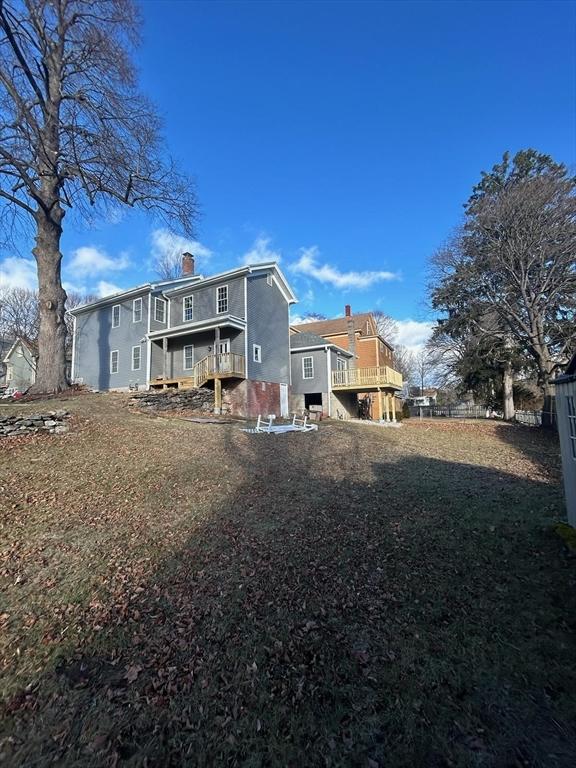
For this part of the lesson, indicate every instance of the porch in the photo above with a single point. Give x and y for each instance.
(366, 379)
(227, 365)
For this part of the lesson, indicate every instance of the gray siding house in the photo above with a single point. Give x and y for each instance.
(20, 364)
(313, 359)
(229, 331)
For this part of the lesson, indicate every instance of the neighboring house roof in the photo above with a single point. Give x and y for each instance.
(363, 322)
(31, 346)
(306, 340)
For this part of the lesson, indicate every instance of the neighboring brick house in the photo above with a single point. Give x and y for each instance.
(229, 331)
(370, 372)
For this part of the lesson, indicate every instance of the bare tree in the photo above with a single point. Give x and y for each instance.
(19, 313)
(387, 326)
(73, 300)
(405, 363)
(75, 133)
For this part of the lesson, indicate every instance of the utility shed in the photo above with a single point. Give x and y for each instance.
(566, 410)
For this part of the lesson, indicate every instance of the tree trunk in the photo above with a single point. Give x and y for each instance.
(549, 407)
(508, 384)
(51, 369)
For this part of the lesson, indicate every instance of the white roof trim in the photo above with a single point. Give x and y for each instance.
(322, 346)
(202, 325)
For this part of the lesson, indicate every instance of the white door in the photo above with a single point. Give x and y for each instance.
(284, 400)
(223, 352)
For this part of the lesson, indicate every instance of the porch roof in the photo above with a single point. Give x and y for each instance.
(222, 321)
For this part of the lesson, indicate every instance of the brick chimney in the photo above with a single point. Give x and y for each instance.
(187, 264)
(351, 335)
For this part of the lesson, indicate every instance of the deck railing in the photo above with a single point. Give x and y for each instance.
(226, 364)
(378, 376)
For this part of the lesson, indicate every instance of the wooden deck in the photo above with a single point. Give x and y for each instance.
(211, 367)
(366, 379)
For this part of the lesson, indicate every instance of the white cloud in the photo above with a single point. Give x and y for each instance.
(16, 272)
(89, 261)
(309, 265)
(300, 320)
(166, 244)
(413, 333)
(260, 252)
(107, 289)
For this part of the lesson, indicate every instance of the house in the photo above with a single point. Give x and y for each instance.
(369, 373)
(5, 344)
(313, 359)
(20, 361)
(422, 397)
(229, 332)
(566, 416)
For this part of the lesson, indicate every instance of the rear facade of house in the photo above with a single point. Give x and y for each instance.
(229, 332)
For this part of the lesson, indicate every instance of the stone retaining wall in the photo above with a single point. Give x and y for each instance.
(200, 399)
(50, 421)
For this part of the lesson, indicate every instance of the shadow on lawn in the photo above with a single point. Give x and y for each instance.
(414, 614)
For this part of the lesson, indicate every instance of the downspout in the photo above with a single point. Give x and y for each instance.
(73, 366)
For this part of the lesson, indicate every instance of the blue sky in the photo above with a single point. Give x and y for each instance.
(341, 137)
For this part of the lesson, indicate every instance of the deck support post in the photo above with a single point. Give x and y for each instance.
(386, 397)
(393, 396)
(217, 396)
(165, 358)
(216, 346)
(379, 401)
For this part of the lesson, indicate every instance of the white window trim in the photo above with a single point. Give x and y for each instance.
(184, 366)
(134, 303)
(259, 348)
(218, 310)
(163, 304)
(139, 348)
(269, 279)
(117, 353)
(117, 325)
(308, 357)
(184, 319)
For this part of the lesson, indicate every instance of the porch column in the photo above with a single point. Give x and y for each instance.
(216, 345)
(164, 358)
(217, 396)
(387, 407)
(393, 396)
(379, 404)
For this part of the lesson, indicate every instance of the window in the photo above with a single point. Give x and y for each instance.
(188, 309)
(20, 351)
(269, 279)
(136, 358)
(137, 310)
(257, 353)
(222, 299)
(307, 368)
(188, 363)
(116, 316)
(572, 423)
(341, 364)
(114, 361)
(9, 373)
(159, 310)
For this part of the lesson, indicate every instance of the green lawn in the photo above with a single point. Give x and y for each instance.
(184, 594)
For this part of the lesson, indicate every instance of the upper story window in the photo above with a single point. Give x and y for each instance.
(137, 310)
(257, 353)
(116, 316)
(341, 364)
(307, 367)
(269, 279)
(159, 310)
(222, 299)
(188, 309)
(114, 361)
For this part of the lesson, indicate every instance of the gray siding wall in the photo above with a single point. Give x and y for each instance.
(205, 301)
(320, 381)
(268, 326)
(203, 343)
(565, 390)
(95, 339)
